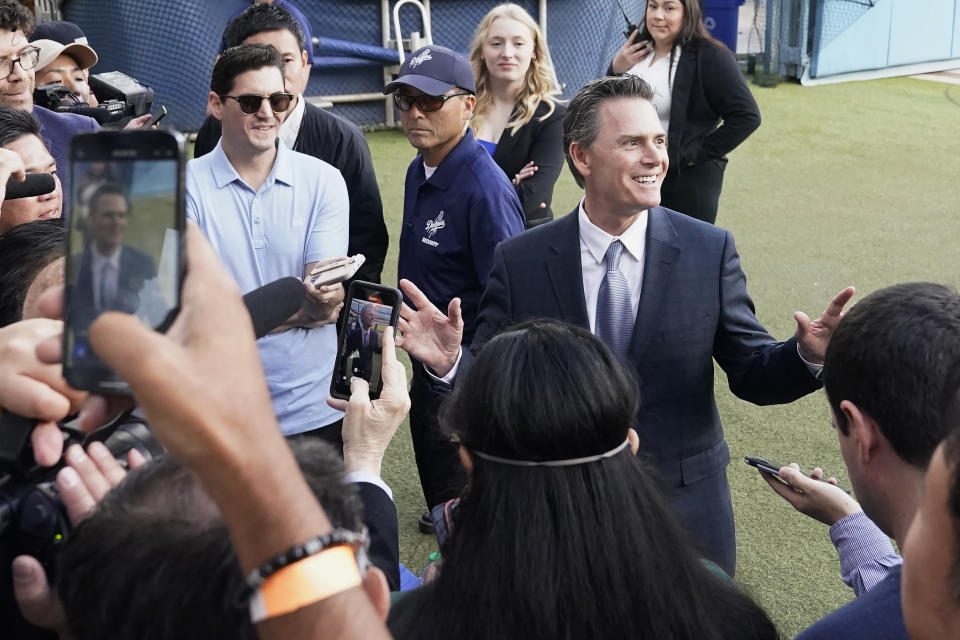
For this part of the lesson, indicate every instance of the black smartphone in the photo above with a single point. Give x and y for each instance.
(370, 309)
(157, 117)
(773, 468)
(764, 465)
(124, 240)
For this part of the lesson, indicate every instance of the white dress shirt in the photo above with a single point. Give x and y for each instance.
(290, 128)
(594, 242)
(659, 75)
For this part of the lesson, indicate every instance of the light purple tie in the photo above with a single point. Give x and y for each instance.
(614, 320)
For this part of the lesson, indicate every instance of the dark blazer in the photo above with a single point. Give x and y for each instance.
(341, 144)
(380, 518)
(541, 142)
(694, 309)
(364, 362)
(708, 89)
(136, 267)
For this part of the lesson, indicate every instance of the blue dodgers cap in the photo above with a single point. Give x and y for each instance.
(434, 70)
(59, 30)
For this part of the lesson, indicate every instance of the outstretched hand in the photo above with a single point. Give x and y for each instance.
(814, 336)
(813, 496)
(428, 335)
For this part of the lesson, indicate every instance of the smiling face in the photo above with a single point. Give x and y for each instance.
(435, 133)
(507, 50)
(255, 133)
(623, 168)
(930, 554)
(108, 221)
(16, 83)
(64, 70)
(664, 21)
(36, 159)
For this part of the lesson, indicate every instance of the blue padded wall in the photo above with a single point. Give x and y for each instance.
(171, 45)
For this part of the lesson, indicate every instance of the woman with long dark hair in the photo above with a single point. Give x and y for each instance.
(702, 99)
(517, 118)
(562, 532)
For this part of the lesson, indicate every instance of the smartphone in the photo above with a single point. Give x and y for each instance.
(764, 465)
(772, 468)
(157, 117)
(124, 244)
(369, 308)
(338, 271)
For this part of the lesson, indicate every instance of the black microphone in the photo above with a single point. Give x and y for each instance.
(36, 184)
(270, 305)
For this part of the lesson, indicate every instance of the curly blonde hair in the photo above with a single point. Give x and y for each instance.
(541, 82)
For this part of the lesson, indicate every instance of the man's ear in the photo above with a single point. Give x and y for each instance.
(864, 431)
(375, 584)
(465, 459)
(215, 105)
(469, 104)
(578, 154)
(634, 439)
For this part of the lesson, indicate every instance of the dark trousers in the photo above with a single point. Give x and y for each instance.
(332, 434)
(705, 509)
(695, 190)
(441, 475)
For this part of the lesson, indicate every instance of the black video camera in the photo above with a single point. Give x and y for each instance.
(120, 96)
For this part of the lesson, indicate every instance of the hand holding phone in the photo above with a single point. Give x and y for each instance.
(156, 118)
(337, 271)
(810, 495)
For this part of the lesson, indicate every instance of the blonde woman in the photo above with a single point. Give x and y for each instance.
(517, 117)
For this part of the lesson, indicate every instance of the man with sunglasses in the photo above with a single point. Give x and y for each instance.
(314, 131)
(458, 205)
(270, 213)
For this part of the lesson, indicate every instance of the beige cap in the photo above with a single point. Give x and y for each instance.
(50, 50)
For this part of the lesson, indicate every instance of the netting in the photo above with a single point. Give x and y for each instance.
(838, 15)
(171, 45)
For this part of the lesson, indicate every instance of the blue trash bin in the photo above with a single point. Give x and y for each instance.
(721, 18)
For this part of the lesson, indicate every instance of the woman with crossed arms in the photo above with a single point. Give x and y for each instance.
(517, 117)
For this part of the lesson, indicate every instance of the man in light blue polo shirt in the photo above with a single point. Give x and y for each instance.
(270, 212)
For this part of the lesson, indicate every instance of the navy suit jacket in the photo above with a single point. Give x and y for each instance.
(694, 308)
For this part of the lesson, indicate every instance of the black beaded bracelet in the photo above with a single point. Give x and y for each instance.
(311, 547)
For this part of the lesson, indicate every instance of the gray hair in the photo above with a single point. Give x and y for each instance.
(581, 122)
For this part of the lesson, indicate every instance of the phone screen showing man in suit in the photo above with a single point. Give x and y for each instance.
(123, 244)
(370, 309)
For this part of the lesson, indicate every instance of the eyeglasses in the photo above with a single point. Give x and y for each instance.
(28, 60)
(424, 103)
(250, 102)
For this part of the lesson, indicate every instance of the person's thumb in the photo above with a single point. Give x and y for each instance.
(31, 589)
(795, 478)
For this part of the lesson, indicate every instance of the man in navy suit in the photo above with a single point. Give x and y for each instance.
(664, 291)
(365, 340)
(111, 274)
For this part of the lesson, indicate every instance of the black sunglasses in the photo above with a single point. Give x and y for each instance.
(250, 102)
(425, 103)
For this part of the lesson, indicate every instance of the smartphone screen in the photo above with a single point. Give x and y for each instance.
(369, 308)
(124, 240)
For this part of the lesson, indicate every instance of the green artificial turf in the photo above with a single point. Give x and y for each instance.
(842, 184)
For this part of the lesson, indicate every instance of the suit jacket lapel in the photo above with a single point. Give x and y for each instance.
(660, 256)
(563, 264)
